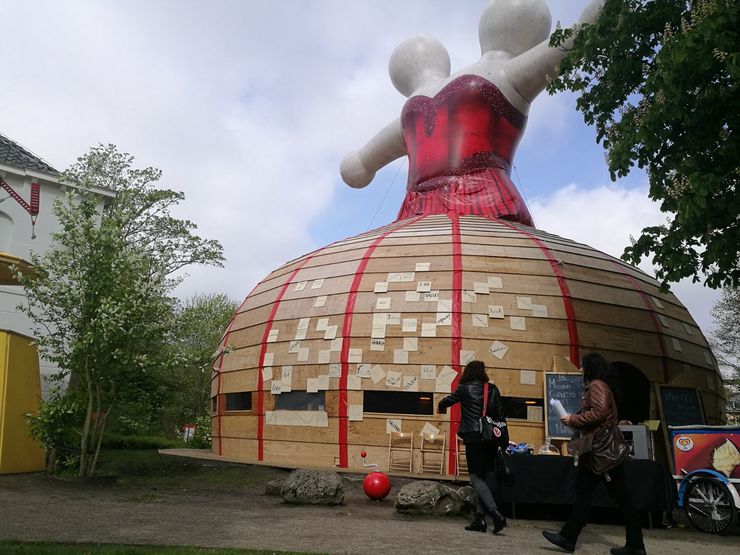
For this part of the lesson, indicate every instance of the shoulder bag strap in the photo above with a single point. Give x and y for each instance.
(485, 398)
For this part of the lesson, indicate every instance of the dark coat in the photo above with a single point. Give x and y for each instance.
(470, 397)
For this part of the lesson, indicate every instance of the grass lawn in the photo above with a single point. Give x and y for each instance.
(48, 548)
(147, 469)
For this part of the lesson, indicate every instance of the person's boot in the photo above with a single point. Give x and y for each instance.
(478, 524)
(499, 521)
(560, 541)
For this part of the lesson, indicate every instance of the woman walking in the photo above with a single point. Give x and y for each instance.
(597, 421)
(473, 388)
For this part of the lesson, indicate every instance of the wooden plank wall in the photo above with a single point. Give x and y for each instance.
(620, 312)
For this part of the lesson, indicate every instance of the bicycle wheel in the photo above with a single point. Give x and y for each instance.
(709, 505)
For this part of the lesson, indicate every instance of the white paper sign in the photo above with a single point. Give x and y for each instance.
(324, 356)
(267, 373)
(354, 382)
(428, 330)
(394, 277)
(407, 277)
(383, 303)
(355, 355)
(275, 388)
(527, 377)
(269, 359)
(410, 383)
(335, 370)
(428, 372)
(294, 346)
(481, 288)
(539, 311)
(422, 266)
(380, 287)
(363, 370)
(495, 282)
(663, 321)
(524, 303)
(469, 296)
(378, 332)
(354, 412)
(272, 336)
(467, 356)
(424, 286)
(429, 432)
(657, 302)
(336, 345)
(312, 385)
(446, 374)
(377, 374)
(300, 334)
(410, 344)
(317, 283)
(687, 329)
(303, 323)
(431, 296)
(322, 324)
(393, 379)
(394, 318)
(444, 319)
(320, 301)
(676, 345)
(303, 354)
(377, 344)
(496, 311)
(518, 323)
(331, 332)
(300, 286)
(408, 325)
(412, 296)
(400, 356)
(480, 320)
(498, 349)
(323, 382)
(392, 425)
(444, 305)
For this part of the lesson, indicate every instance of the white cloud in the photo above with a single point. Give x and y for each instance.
(605, 218)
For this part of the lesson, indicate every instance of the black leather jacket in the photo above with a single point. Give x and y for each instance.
(470, 397)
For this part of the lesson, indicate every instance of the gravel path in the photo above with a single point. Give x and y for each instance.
(35, 508)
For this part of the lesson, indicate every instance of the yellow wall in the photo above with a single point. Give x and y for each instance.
(20, 391)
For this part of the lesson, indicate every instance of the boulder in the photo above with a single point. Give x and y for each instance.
(274, 487)
(313, 487)
(434, 498)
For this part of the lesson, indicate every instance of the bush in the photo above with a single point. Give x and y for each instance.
(121, 441)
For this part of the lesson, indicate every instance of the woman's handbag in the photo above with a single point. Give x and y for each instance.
(608, 449)
(485, 423)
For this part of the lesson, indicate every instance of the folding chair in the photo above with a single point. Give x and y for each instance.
(432, 453)
(401, 451)
(461, 468)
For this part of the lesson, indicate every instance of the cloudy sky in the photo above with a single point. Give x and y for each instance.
(248, 106)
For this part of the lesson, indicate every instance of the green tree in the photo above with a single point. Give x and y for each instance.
(103, 300)
(726, 341)
(199, 324)
(659, 80)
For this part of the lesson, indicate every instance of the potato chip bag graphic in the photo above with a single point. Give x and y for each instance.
(725, 458)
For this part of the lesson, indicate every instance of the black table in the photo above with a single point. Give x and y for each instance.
(551, 479)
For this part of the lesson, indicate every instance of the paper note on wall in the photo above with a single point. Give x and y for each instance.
(524, 303)
(383, 303)
(377, 332)
(466, 356)
(377, 344)
(428, 372)
(272, 336)
(408, 325)
(411, 383)
(424, 286)
(495, 282)
(286, 376)
(422, 266)
(317, 283)
(300, 286)
(495, 311)
(428, 329)
(407, 277)
(363, 370)
(394, 277)
(320, 301)
(355, 355)
(429, 432)
(323, 382)
(431, 296)
(354, 382)
(267, 373)
(481, 288)
(303, 354)
(269, 359)
(527, 377)
(539, 311)
(336, 345)
(355, 413)
(498, 349)
(275, 388)
(331, 332)
(518, 323)
(480, 320)
(335, 370)
(377, 374)
(324, 356)
(303, 323)
(469, 296)
(392, 426)
(412, 296)
(393, 378)
(380, 287)
(410, 343)
(400, 356)
(312, 385)
(322, 324)
(443, 319)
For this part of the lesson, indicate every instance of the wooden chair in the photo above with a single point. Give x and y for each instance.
(461, 468)
(401, 452)
(432, 453)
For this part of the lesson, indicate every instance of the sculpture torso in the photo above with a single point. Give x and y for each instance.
(461, 144)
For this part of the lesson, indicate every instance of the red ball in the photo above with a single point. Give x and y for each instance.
(376, 485)
(363, 454)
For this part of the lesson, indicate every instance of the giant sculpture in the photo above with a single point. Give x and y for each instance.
(338, 351)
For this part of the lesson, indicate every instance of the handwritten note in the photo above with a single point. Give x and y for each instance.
(422, 266)
(428, 330)
(400, 356)
(424, 286)
(408, 325)
(428, 372)
(393, 379)
(495, 282)
(377, 344)
(380, 287)
(518, 323)
(319, 301)
(498, 349)
(410, 383)
(480, 320)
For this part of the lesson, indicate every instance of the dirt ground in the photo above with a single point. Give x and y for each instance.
(37, 508)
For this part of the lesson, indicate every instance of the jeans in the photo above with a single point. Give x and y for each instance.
(586, 482)
(481, 468)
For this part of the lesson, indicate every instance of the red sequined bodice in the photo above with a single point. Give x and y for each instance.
(460, 146)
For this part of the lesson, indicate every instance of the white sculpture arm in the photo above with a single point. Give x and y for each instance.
(358, 168)
(529, 72)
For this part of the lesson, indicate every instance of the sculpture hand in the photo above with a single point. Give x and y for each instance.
(353, 171)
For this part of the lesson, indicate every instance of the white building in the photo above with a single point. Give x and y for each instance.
(20, 170)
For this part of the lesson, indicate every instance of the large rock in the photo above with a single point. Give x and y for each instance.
(313, 487)
(434, 498)
(274, 487)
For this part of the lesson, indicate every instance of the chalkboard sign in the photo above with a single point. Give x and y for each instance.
(681, 406)
(568, 389)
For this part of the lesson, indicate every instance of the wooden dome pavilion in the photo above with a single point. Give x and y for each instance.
(334, 350)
